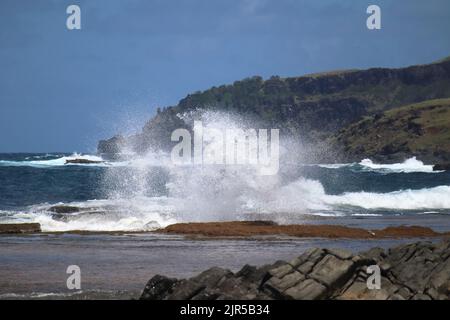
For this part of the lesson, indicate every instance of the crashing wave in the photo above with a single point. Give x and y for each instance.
(286, 204)
(408, 166)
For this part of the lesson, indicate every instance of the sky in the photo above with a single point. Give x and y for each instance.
(63, 90)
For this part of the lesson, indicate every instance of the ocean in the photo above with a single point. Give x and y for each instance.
(146, 193)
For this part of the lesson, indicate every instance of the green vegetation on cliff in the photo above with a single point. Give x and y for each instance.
(309, 108)
(421, 129)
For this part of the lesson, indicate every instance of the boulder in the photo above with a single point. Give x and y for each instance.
(157, 288)
(332, 271)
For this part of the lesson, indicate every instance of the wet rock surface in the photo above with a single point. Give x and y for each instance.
(17, 228)
(417, 271)
(64, 209)
(82, 161)
(441, 167)
(264, 228)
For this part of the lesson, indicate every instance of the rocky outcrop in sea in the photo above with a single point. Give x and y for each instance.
(417, 271)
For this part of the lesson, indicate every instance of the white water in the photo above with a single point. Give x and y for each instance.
(229, 198)
(54, 162)
(137, 214)
(408, 166)
(161, 159)
(212, 193)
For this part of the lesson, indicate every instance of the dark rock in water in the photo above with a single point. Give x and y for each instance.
(418, 271)
(82, 161)
(158, 288)
(67, 213)
(111, 146)
(64, 209)
(62, 213)
(441, 166)
(20, 228)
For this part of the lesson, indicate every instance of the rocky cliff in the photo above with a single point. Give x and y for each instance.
(310, 108)
(421, 130)
(418, 271)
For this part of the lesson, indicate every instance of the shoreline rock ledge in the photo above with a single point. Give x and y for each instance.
(19, 228)
(417, 271)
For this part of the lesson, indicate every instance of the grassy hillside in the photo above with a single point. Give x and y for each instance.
(421, 129)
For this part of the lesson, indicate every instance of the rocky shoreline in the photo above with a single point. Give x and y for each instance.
(246, 229)
(269, 228)
(19, 228)
(416, 271)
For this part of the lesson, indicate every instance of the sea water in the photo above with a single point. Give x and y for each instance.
(147, 192)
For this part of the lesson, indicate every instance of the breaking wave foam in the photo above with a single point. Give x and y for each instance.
(138, 214)
(408, 166)
(60, 161)
(216, 201)
(422, 199)
(148, 192)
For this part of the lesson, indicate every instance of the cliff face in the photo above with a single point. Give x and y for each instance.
(311, 108)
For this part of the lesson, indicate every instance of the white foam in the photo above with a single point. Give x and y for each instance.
(409, 165)
(335, 165)
(61, 161)
(147, 160)
(304, 195)
(211, 193)
(137, 214)
(422, 199)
